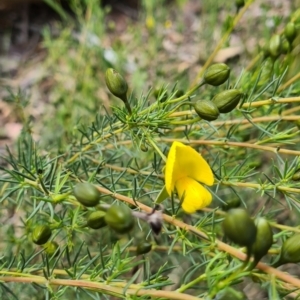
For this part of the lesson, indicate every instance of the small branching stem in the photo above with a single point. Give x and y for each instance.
(223, 40)
(99, 286)
(234, 144)
(97, 141)
(220, 245)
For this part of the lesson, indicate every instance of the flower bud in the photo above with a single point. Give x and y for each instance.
(275, 45)
(285, 46)
(143, 248)
(116, 83)
(51, 248)
(216, 74)
(87, 194)
(179, 93)
(264, 239)
(231, 203)
(230, 294)
(239, 3)
(239, 227)
(290, 31)
(206, 110)
(96, 219)
(296, 176)
(227, 100)
(266, 50)
(290, 251)
(41, 234)
(119, 218)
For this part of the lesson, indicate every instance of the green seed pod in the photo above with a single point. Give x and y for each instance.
(206, 110)
(231, 203)
(96, 219)
(227, 100)
(266, 51)
(230, 294)
(239, 227)
(239, 3)
(143, 147)
(143, 248)
(116, 83)
(275, 45)
(264, 239)
(119, 218)
(216, 74)
(290, 31)
(290, 251)
(41, 234)
(285, 46)
(51, 248)
(87, 194)
(296, 176)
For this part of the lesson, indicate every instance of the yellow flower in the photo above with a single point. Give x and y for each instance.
(185, 169)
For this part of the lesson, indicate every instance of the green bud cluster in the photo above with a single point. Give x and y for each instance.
(256, 234)
(224, 102)
(281, 44)
(40, 236)
(119, 218)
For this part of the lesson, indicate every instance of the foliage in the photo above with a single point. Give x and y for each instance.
(253, 151)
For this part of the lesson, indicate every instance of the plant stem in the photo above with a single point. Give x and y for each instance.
(99, 286)
(223, 40)
(220, 245)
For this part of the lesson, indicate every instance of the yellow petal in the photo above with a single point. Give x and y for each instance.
(184, 161)
(195, 195)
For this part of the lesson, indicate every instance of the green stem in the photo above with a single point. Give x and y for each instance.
(191, 283)
(150, 140)
(186, 122)
(127, 105)
(223, 39)
(228, 281)
(187, 94)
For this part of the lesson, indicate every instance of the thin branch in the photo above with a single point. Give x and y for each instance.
(220, 245)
